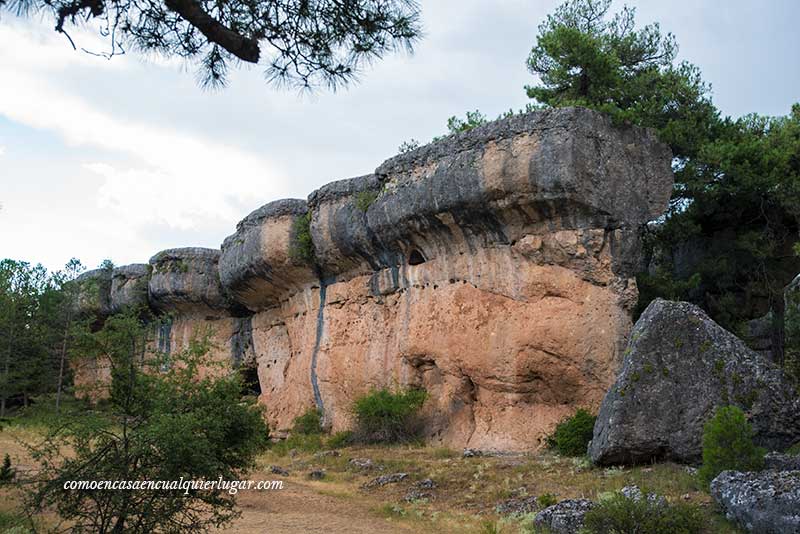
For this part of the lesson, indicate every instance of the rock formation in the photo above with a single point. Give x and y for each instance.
(763, 503)
(678, 367)
(493, 268)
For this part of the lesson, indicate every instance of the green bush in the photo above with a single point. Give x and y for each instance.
(794, 449)
(573, 434)
(340, 439)
(546, 499)
(298, 442)
(728, 445)
(620, 514)
(308, 423)
(301, 249)
(386, 417)
(364, 199)
(6, 471)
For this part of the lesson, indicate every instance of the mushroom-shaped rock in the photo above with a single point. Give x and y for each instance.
(562, 169)
(679, 366)
(186, 280)
(262, 261)
(129, 286)
(93, 293)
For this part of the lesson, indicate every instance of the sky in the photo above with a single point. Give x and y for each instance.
(122, 158)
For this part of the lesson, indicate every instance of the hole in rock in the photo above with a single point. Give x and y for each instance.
(251, 385)
(416, 257)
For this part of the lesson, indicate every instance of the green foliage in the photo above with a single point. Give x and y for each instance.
(14, 523)
(572, 435)
(386, 417)
(301, 249)
(473, 120)
(584, 58)
(546, 499)
(340, 439)
(663, 284)
(163, 425)
(308, 423)
(7, 472)
(728, 445)
(794, 449)
(408, 146)
(619, 514)
(364, 199)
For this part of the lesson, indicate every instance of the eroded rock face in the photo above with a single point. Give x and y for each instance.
(129, 285)
(94, 293)
(258, 266)
(679, 366)
(494, 268)
(763, 503)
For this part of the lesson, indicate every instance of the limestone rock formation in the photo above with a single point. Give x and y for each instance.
(495, 268)
(678, 367)
(763, 503)
(129, 285)
(94, 293)
(186, 280)
(782, 462)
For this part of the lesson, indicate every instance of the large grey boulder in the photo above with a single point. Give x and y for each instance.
(678, 367)
(186, 280)
(763, 503)
(129, 286)
(565, 517)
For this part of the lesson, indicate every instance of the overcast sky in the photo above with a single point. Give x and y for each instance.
(120, 159)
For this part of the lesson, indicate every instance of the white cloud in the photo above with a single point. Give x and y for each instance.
(151, 174)
(2, 150)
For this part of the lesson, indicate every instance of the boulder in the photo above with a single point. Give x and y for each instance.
(93, 294)
(678, 367)
(129, 285)
(762, 503)
(186, 280)
(782, 462)
(565, 517)
(260, 263)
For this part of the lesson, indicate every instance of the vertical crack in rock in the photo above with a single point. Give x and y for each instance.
(320, 327)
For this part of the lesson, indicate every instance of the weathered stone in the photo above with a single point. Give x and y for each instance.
(363, 464)
(413, 495)
(258, 265)
(565, 517)
(186, 280)
(317, 474)
(679, 366)
(494, 268)
(129, 286)
(763, 503)
(425, 483)
(94, 293)
(782, 462)
(383, 480)
(278, 470)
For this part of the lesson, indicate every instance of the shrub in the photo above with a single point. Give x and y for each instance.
(386, 417)
(794, 449)
(364, 199)
(546, 499)
(621, 514)
(572, 435)
(340, 439)
(6, 471)
(309, 423)
(301, 249)
(728, 444)
(299, 442)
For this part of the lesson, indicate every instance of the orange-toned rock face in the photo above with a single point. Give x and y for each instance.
(495, 268)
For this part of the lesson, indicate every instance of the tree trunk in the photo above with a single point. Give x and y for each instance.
(61, 364)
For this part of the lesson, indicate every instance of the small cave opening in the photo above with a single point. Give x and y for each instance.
(250, 383)
(416, 257)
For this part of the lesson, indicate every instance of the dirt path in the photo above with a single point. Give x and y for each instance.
(301, 508)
